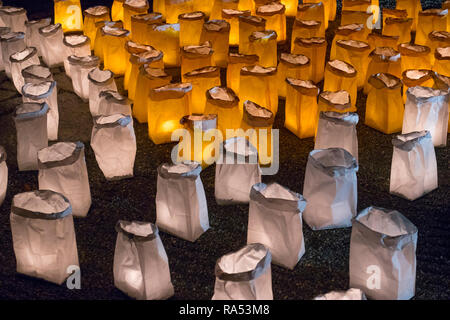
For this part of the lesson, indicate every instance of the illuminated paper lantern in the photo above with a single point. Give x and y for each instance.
(3, 175)
(395, 13)
(340, 75)
(275, 220)
(62, 168)
(315, 49)
(206, 6)
(141, 268)
(219, 5)
(36, 74)
(91, 16)
(428, 21)
(99, 36)
(202, 80)
(414, 56)
(140, 25)
(248, 24)
(224, 102)
(237, 170)
(13, 18)
(173, 8)
(11, 43)
(236, 62)
(352, 31)
(167, 105)
(305, 29)
(217, 33)
(295, 66)
(313, 11)
(75, 45)
(358, 17)
(383, 60)
(3, 31)
(384, 105)
(355, 53)
(191, 26)
(131, 8)
(159, 6)
(148, 78)
(45, 92)
(43, 235)
(117, 10)
(68, 13)
(438, 39)
(111, 102)
(412, 8)
(355, 5)
(99, 80)
(413, 167)
(233, 18)
(31, 129)
(114, 144)
(195, 57)
(441, 62)
(264, 45)
(337, 101)
(32, 33)
(19, 61)
(427, 109)
(133, 48)
(275, 15)
(416, 77)
(79, 69)
(301, 108)
(181, 207)
(337, 130)
(398, 27)
(113, 48)
(383, 254)
(245, 274)
(166, 37)
(350, 294)
(52, 47)
(376, 40)
(291, 7)
(330, 189)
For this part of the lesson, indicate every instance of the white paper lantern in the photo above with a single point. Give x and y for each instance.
(31, 128)
(141, 266)
(14, 18)
(75, 44)
(330, 189)
(383, 254)
(19, 61)
(427, 109)
(79, 70)
(52, 48)
(11, 43)
(112, 102)
(36, 74)
(275, 220)
(43, 235)
(114, 143)
(337, 130)
(32, 33)
(99, 80)
(62, 168)
(3, 175)
(414, 167)
(3, 31)
(181, 207)
(245, 274)
(237, 170)
(350, 294)
(44, 92)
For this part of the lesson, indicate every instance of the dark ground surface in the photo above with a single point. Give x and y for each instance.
(323, 268)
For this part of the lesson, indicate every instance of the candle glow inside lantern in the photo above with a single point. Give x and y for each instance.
(275, 15)
(295, 66)
(340, 75)
(3, 175)
(383, 60)
(113, 48)
(52, 48)
(68, 13)
(99, 80)
(181, 207)
(275, 220)
(291, 7)
(217, 33)
(62, 168)
(32, 33)
(247, 25)
(301, 107)
(148, 79)
(355, 53)
(416, 77)
(173, 8)
(79, 69)
(31, 128)
(384, 106)
(131, 8)
(352, 31)
(224, 102)
(398, 27)
(167, 105)
(11, 43)
(264, 45)
(315, 49)
(233, 18)
(305, 29)
(438, 39)
(412, 7)
(415, 56)
(191, 26)
(386, 239)
(245, 274)
(43, 235)
(114, 144)
(428, 21)
(140, 25)
(36, 74)
(219, 5)
(337, 101)
(98, 45)
(91, 16)
(202, 80)
(313, 11)
(19, 61)
(195, 57)
(166, 37)
(350, 294)
(236, 62)
(117, 10)
(111, 102)
(330, 189)
(45, 92)
(75, 45)
(141, 267)
(13, 18)
(160, 6)
(441, 62)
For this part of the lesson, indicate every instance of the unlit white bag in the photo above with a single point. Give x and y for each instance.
(275, 220)
(62, 168)
(383, 254)
(52, 48)
(32, 33)
(350, 294)
(75, 45)
(19, 61)
(112, 102)
(11, 43)
(13, 18)
(99, 80)
(3, 175)
(3, 31)
(79, 70)
(36, 74)
(244, 275)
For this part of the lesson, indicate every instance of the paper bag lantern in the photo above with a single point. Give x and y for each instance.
(383, 254)
(32, 33)
(75, 45)
(394, 13)
(3, 31)
(398, 27)
(217, 33)
(141, 267)
(438, 39)
(245, 274)
(206, 6)
(111, 102)
(385, 60)
(134, 51)
(3, 175)
(62, 168)
(79, 69)
(45, 92)
(295, 66)
(36, 74)
(224, 102)
(315, 49)
(52, 47)
(415, 56)
(355, 5)
(412, 8)
(237, 170)
(352, 31)
(43, 235)
(248, 24)
(236, 62)
(355, 53)
(113, 48)
(291, 7)
(181, 207)
(337, 101)
(427, 109)
(428, 21)
(301, 108)
(416, 77)
(256, 79)
(131, 8)
(166, 37)
(191, 26)
(350, 294)
(159, 6)
(443, 83)
(376, 40)
(358, 17)
(117, 10)
(195, 57)
(11, 43)
(202, 80)
(167, 105)
(275, 220)
(330, 189)
(91, 16)
(148, 78)
(340, 75)
(313, 11)
(99, 80)
(305, 29)
(98, 45)
(219, 5)
(413, 167)
(173, 8)
(19, 61)
(264, 45)
(233, 18)
(114, 144)
(68, 13)
(14, 18)
(275, 15)
(141, 23)
(441, 62)
(337, 130)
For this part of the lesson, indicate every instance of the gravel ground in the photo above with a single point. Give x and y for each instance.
(324, 266)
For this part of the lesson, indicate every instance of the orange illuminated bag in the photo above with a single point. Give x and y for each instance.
(438, 39)
(376, 40)
(236, 62)
(191, 26)
(202, 80)
(117, 10)
(330, 7)
(305, 29)
(295, 66)
(357, 54)
(416, 77)
(398, 27)
(131, 8)
(385, 60)
(217, 33)
(247, 25)
(113, 48)
(430, 20)
(340, 75)
(352, 31)
(219, 5)
(313, 11)
(166, 37)
(195, 57)
(133, 48)
(337, 101)
(414, 56)
(357, 17)
(412, 7)
(275, 15)
(225, 103)
(98, 45)
(355, 5)
(291, 7)
(232, 17)
(315, 49)
(264, 45)
(91, 16)
(442, 61)
(140, 24)
(205, 6)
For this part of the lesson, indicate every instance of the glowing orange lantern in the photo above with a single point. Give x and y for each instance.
(232, 17)
(416, 77)
(313, 11)
(131, 8)
(191, 26)
(295, 66)
(356, 53)
(414, 56)
(219, 5)
(166, 37)
(173, 8)
(441, 62)
(412, 7)
(91, 16)
(69, 14)
(275, 15)
(236, 62)
(117, 10)
(291, 7)
(340, 75)
(114, 53)
(202, 80)
(305, 29)
(159, 6)
(133, 48)
(315, 49)
(385, 60)
(205, 6)
(140, 25)
(352, 31)
(337, 101)
(247, 25)
(358, 17)
(225, 103)
(264, 45)
(98, 45)
(398, 27)
(376, 40)
(195, 57)
(330, 8)
(217, 33)
(438, 39)
(430, 20)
